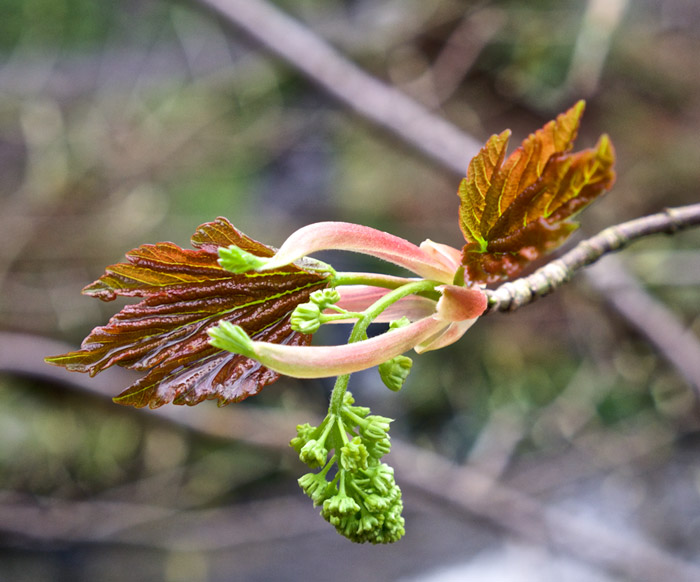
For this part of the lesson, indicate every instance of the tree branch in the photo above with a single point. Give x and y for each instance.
(651, 318)
(374, 100)
(515, 294)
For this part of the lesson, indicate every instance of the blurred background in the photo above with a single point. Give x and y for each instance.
(554, 443)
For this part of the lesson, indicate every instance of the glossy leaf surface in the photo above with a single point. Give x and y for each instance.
(184, 293)
(513, 209)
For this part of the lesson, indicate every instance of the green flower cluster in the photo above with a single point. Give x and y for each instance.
(308, 317)
(361, 499)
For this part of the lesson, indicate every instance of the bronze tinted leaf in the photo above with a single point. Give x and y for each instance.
(184, 293)
(513, 211)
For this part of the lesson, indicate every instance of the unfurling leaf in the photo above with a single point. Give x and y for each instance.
(517, 208)
(184, 293)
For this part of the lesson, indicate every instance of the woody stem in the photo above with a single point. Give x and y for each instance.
(554, 274)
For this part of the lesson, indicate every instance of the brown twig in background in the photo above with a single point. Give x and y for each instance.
(658, 324)
(586, 539)
(372, 99)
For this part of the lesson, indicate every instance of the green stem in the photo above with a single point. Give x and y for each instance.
(339, 390)
(340, 316)
(341, 431)
(327, 429)
(341, 484)
(358, 420)
(378, 280)
(373, 279)
(328, 466)
(359, 330)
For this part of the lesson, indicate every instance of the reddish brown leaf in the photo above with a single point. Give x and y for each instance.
(184, 293)
(513, 210)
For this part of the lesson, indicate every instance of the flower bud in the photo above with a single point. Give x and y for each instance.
(316, 487)
(304, 434)
(381, 478)
(376, 427)
(376, 503)
(314, 454)
(232, 338)
(339, 505)
(367, 523)
(353, 456)
(377, 449)
(394, 372)
(306, 318)
(325, 297)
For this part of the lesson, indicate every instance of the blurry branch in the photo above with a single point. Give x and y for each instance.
(452, 64)
(47, 519)
(464, 487)
(554, 274)
(666, 267)
(374, 100)
(650, 317)
(23, 355)
(601, 20)
(30, 76)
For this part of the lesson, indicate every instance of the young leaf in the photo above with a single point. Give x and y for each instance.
(517, 208)
(184, 293)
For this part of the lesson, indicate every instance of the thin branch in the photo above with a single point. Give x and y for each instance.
(48, 519)
(679, 346)
(515, 294)
(374, 100)
(602, 18)
(658, 324)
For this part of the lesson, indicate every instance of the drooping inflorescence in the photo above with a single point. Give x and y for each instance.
(361, 500)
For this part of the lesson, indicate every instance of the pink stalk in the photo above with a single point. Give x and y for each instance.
(359, 297)
(449, 336)
(449, 256)
(324, 361)
(346, 236)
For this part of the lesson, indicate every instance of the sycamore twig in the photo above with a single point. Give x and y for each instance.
(426, 132)
(554, 274)
(445, 143)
